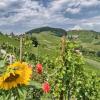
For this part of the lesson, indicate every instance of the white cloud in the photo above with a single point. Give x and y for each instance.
(28, 10)
(77, 27)
(89, 25)
(30, 14)
(73, 6)
(89, 2)
(73, 11)
(5, 3)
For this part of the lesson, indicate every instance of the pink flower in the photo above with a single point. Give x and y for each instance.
(46, 87)
(39, 68)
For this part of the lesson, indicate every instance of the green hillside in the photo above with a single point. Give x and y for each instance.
(56, 31)
(49, 42)
(7, 39)
(89, 40)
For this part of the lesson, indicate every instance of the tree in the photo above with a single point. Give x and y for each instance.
(12, 34)
(96, 36)
(1, 33)
(98, 53)
(34, 41)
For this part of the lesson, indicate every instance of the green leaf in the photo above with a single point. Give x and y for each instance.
(2, 63)
(36, 84)
(22, 93)
(8, 96)
(1, 97)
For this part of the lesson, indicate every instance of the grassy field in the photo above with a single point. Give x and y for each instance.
(7, 39)
(49, 44)
(92, 65)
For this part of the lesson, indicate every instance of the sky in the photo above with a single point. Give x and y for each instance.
(19, 16)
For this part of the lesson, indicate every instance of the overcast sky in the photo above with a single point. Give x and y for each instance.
(22, 15)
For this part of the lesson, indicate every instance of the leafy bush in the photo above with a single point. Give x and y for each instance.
(98, 53)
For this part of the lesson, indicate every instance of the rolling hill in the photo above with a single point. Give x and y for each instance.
(88, 39)
(49, 37)
(56, 31)
(49, 40)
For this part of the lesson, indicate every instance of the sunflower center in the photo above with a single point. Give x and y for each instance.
(11, 78)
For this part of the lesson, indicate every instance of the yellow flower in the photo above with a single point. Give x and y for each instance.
(16, 74)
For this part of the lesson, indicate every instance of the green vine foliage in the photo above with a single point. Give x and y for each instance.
(68, 78)
(71, 80)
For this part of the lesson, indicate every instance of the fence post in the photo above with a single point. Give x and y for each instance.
(21, 46)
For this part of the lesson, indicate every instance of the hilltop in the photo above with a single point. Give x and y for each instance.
(56, 31)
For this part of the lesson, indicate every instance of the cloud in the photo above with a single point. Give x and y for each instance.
(88, 24)
(89, 2)
(73, 11)
(23, 15)
(91, 26)
(76, 27)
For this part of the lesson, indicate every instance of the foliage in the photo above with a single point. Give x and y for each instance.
(34, 41)
(70, 79)
(98, 53)
(65, 71)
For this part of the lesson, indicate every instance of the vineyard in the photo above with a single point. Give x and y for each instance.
(45, 66)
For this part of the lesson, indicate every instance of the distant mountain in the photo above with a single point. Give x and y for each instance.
(56, 31)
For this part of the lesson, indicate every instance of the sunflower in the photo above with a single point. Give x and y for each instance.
(16, 74)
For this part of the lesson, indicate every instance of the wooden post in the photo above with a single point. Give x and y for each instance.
(21, 39)
(0, 50)
(63, 43)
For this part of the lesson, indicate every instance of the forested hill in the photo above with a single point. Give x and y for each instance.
(56, 31)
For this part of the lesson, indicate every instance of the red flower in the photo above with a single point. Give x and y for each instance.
(46, 87)
(39, 68)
